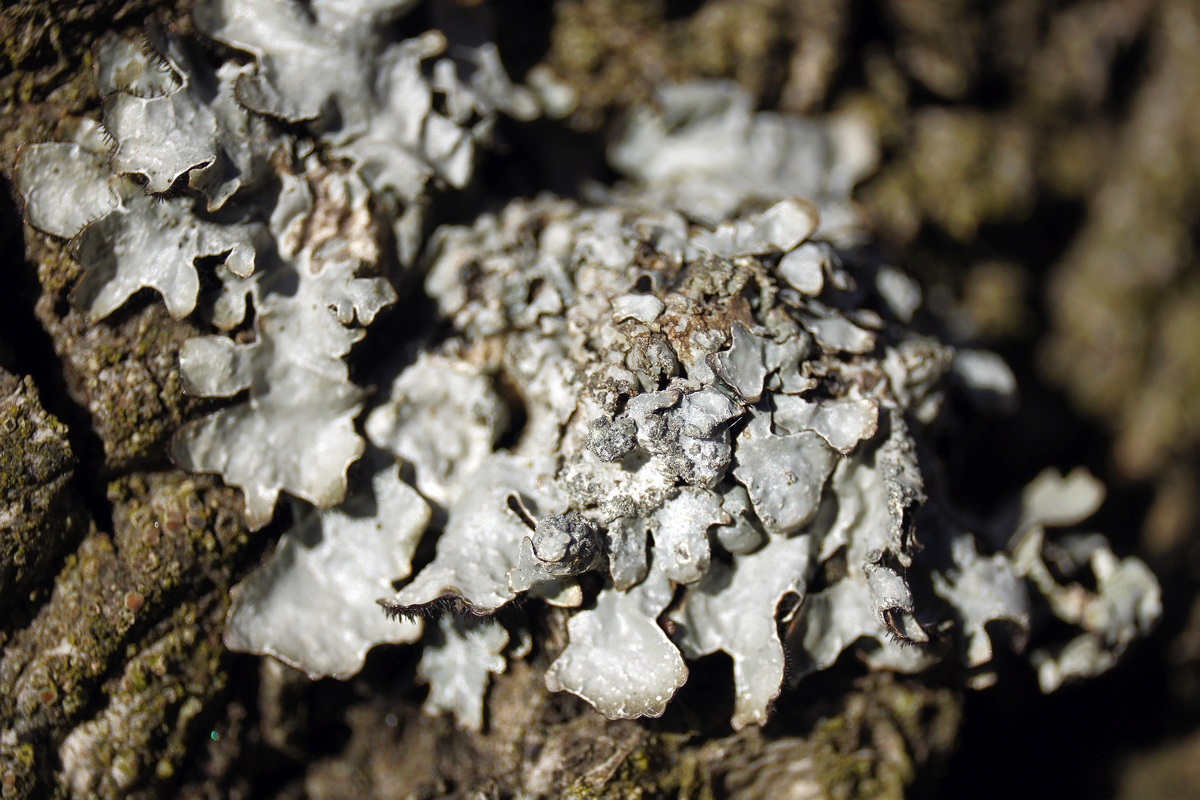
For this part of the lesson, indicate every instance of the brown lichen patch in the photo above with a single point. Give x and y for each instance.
(335, 218)
(706, 299)
(134, 601)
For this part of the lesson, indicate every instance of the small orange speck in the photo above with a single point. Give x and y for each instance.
(134, 601)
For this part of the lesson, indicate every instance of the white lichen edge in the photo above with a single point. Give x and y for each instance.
(313, 604)
(619, 658)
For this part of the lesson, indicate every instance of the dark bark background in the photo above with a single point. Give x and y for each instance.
(1041, 166)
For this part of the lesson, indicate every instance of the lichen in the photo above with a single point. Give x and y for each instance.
(645, 413)
(323, 579)
(311, 307)
(726, 401)
(125, 240)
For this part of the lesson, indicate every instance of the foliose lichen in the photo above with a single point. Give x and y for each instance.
(726, 402)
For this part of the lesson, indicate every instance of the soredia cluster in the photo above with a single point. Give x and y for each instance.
(715, 405)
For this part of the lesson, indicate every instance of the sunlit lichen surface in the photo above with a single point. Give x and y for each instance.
(692, 412)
